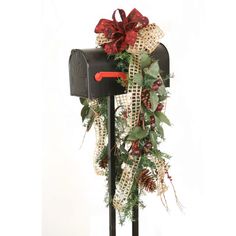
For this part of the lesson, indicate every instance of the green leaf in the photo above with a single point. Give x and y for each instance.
(153, 138)
(145, 60)
(162, 91)
(163, 118)
(162, 97)
(138, 78)
(147, 114)
(83, 101)
(137, 133)
(154, 69)
(160, 131)
(148, 80)
(84, 112)
(90, 119)
(157, 121)
(90, 123)
(154, 100)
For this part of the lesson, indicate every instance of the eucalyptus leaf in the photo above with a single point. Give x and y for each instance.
(154, 69)
(162, 97)
(162, 91)
(163, 118)
(83, 101)
(145, 60)
(147, 114)
(90, 123)
(137, 133)
(157, 120)
(154, 100)
(138, 78)
(90, 114)
(84, 112)
(160, 131)
(148, 80)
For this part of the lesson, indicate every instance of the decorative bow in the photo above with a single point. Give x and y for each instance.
(123, 33)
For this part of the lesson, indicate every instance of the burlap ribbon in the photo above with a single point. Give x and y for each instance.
(101, 137)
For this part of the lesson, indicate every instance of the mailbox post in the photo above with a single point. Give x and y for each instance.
(111, 163)
(90, 77)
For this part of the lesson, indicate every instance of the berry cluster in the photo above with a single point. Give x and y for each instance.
(145, 96)
(135, 149)
(152, 122)
(160, 106)
(147, 147)
(141, 119)
(156, 85)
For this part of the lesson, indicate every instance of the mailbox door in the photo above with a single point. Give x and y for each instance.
(78, 74)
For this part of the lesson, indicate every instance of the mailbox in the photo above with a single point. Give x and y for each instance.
(84, 64)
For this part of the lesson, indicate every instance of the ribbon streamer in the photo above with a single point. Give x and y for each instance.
(101, 136)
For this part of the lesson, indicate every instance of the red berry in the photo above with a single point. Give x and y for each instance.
(153, 125)
(135, 145)
(148, 145)
(155, 86)
(152, 122)
(152, 119)
(141, 119)
(159, 107)
(136, 152)
(159, 82)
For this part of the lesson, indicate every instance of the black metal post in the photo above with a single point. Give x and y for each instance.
(111, 158)
(135, 223)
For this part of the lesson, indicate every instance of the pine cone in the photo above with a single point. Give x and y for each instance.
(103, 163)
(147, 181)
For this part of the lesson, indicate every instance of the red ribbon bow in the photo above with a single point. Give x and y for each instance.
(122, 33)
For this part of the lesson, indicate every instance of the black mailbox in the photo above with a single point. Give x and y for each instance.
(84, 64)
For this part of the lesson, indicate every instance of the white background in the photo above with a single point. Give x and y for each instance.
(44, 173)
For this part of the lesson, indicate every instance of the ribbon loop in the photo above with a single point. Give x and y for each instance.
(122, 16)
(121, 34)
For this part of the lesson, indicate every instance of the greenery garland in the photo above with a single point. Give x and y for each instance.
(143, 140)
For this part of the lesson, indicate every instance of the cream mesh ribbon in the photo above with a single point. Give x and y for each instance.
(101, 136)
(146, 42)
